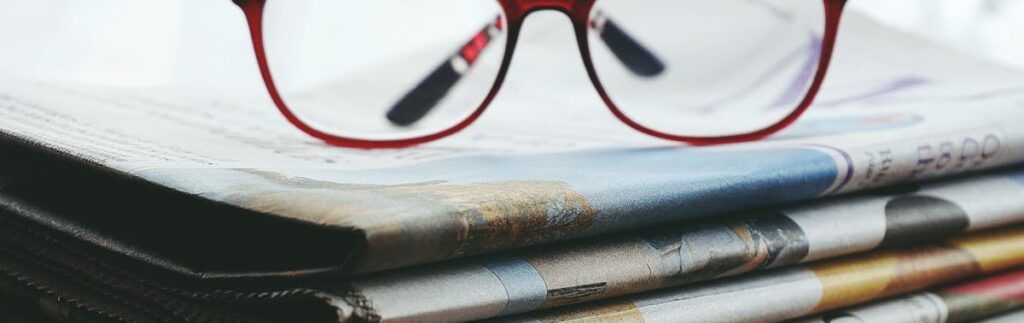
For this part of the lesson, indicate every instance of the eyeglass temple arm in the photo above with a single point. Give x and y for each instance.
(428, 93)
(634, 55)
(422, 98)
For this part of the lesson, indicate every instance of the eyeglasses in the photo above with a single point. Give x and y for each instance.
(397, 73)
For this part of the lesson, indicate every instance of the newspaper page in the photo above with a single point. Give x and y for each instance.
(685, 253)
(964, 302)
(793, 292)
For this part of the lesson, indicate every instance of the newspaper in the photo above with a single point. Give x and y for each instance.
(1011, 317)
(542, 169)
(965, 302)
(685, 253)
(794, 292)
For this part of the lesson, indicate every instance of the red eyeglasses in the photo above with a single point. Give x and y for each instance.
(396, 73)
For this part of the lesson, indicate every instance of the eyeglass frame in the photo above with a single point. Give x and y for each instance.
(515, 13)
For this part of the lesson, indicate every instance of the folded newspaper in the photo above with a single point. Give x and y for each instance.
(1011, 317)
(624, 264)
(796, 291)
(156, 206)
(965, 302)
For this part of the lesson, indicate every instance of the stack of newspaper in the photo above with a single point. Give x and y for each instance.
(897, 199)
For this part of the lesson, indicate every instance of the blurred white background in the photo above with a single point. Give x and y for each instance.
(204, 43)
